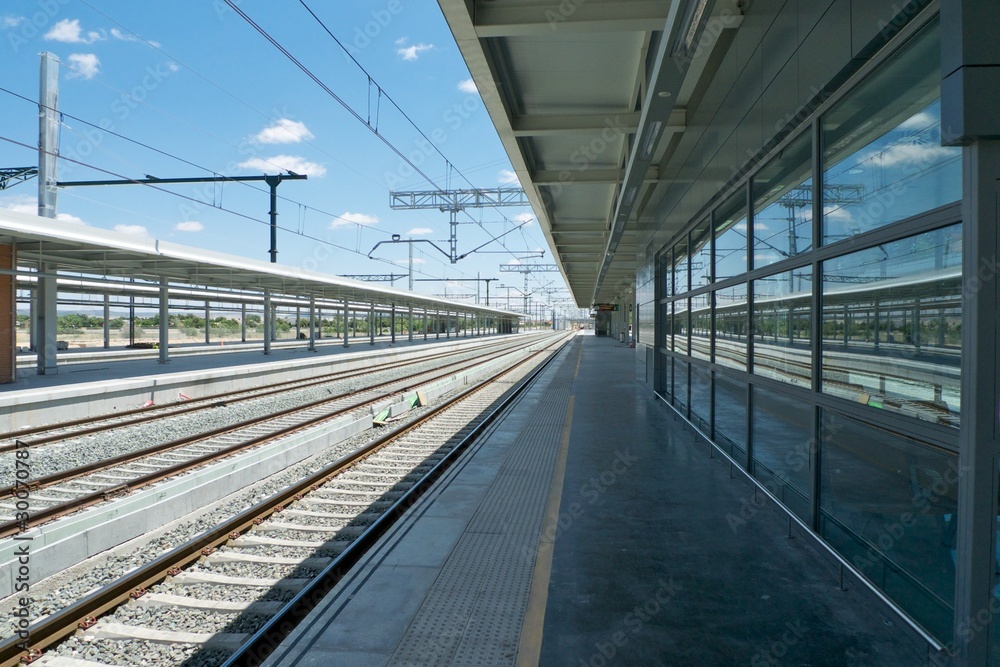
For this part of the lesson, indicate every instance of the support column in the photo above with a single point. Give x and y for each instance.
(298, 317)
(33, 320)
(268, 316)
(392, 323)
(243, 323)
(345, 322)
(208, 328)
(371, 323)
(8, 311)
(164, 357)
(312, 323)
(409, 326)
(425, 324)
(447, 325)
(437, 324)
(970, 75)
(107, 321)
(45, 343)
(319, 323)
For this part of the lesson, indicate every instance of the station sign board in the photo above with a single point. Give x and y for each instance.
(606, 306)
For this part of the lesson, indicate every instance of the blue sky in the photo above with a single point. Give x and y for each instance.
(192, 78)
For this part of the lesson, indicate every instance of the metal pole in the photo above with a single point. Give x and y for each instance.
(392, 323)
(243, 323)
(208, 331)
(371, 323)
(107, 322)
(273, 181)
(48, 135)
(409, 242)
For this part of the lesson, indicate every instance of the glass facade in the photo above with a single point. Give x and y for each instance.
(821, 347)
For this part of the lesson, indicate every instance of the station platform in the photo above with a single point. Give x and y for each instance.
(589, 527)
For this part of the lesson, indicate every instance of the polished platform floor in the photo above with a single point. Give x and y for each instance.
(590, 527)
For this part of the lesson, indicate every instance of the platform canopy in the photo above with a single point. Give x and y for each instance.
(590, 100)
(76, 249)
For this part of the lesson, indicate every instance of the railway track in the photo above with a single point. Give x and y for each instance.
(35, 436)
(238, 587)
(68, 491)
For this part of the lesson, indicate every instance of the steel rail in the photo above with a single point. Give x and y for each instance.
(16, 526)
(153, 412)
(57, 626)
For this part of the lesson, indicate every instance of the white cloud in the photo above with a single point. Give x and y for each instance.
(468, 86)
(913, 155)
(12, 21)
(172, 66)
(348, 218)
(526, 218)
(284, 131)
(86, 65)
(413, 51)
(29, 204)
(66, 217)
(189, 226)
(507, 177)
(401, 41)
(126, 37)
(420, 231)
(406, 262)
(837, 214)
(279, 163)
(514, 262)
(69, 32)
(132, 230)
(919, 121)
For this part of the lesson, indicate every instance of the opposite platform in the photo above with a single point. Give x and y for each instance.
(588, 528)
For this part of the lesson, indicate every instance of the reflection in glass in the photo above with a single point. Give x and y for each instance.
(781, 320)
(668, 325)
(701, 326)
(731, 326)
(883, 155)
(681, 265)
(701, 396)
(667, 273)
(681, 385)
(681, 326)
(888, 503)
(892, 325)
(701, 255)
(782, 219)
(731, 416)
(668, 376)
(782, 448)
(731, 237)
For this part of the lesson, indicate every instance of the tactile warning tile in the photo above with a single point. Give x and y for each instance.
(474, 612)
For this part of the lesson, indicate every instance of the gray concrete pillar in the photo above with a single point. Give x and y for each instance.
(409, 326)
(268, 317)
(45, 343)
(346, 319)
(312, 323)
(243, 322)
(371, 323)
(107, 321)
(208, 328)
(164, 343)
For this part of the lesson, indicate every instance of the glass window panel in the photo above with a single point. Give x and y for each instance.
(701, 255)
(731, 326)
(681, 385)
(888, 503)
(668, 376)
(782, 304)
(681, 265)
(681, 327)
(781, 446)
(701, 396)
(883, 155)
(701, 326)
(731, 237)
(782, 218)
(667, 273)
(731, 416)
(892, 325)
(668, 325)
